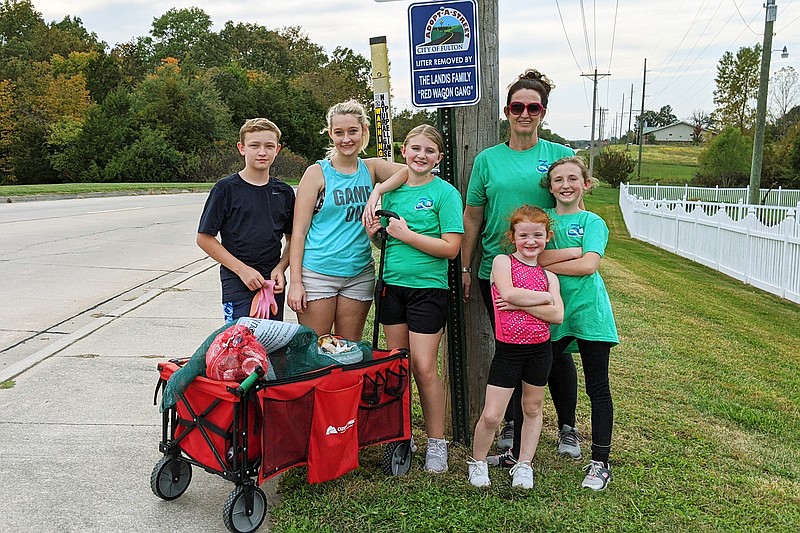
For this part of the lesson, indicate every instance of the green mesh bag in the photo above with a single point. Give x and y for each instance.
(195, 366)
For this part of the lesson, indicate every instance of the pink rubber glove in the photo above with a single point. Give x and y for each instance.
(264, 301)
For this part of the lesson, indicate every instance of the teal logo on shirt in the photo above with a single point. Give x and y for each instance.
(544, 164)
(575, 230)
(424, 204)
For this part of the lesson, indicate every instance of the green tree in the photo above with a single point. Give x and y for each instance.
(106, 129)
(407, 119)
(7, 127)
(187, 110)
(726, 161)
(737, 87)
(179, 33)
(663, 117)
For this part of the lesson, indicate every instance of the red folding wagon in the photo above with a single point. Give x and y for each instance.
(319, 419)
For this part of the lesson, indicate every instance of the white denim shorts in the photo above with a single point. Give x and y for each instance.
(360, 287)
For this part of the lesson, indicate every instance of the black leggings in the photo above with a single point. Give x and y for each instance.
(595, 356)
(562, 382)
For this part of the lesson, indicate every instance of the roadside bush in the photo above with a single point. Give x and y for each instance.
(726, 161)
(613, 167)
(289, 165)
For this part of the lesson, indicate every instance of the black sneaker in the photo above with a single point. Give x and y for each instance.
(504, 460)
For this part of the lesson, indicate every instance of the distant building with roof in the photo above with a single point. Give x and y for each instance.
(676, 132)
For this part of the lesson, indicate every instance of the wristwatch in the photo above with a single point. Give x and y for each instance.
(467, 270)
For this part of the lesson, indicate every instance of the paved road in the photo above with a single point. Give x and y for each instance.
(78, 429)
(65, 262)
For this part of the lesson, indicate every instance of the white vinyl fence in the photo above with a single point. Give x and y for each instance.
(759, 245)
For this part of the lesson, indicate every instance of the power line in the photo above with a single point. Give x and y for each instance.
(677, 47)
(679, 71)
(740, 16)
(566, 35)
(586, 37)
(613, 35)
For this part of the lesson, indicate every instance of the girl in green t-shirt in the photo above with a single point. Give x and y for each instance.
(414, 306)
(574, 254)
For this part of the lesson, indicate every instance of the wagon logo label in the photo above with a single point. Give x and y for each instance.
(334, 430)
(446, 31)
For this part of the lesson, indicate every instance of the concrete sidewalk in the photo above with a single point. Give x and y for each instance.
(80, 432)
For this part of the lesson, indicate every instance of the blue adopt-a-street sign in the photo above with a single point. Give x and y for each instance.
(443, 38)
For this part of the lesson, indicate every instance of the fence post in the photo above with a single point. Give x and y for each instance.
(751, 210)
(788, 229)
(780, 196)
(716, 193)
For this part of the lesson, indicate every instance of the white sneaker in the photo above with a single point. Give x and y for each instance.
(522, 476)
(478, 473)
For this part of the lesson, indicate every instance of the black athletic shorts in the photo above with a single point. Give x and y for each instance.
(424, 310)
(530, 362)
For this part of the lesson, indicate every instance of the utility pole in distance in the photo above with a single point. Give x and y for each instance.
(630, 118)
(641, 120)
(595, 76)
(761, 106)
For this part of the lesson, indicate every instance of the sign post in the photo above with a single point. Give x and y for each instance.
(445, 68)
(381, 102)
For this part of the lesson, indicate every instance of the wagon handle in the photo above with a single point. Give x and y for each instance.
(379, 284)
(242, 389)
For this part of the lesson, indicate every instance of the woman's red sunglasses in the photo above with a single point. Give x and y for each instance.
(534, 108)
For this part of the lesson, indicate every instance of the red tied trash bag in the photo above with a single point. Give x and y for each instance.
(234, 354)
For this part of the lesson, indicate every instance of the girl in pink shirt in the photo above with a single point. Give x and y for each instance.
(526, 300)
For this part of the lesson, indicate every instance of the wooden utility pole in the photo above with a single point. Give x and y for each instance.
(761, 106)
(477, 127)
(595, 76)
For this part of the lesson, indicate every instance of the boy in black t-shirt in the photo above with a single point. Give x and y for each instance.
(251, 212)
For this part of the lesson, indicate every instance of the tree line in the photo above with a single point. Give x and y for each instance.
(161, 107)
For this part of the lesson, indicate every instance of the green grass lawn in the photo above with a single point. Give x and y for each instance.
(666, 165)
(706, 384)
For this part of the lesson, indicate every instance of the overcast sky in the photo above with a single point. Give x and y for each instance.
(683, 41)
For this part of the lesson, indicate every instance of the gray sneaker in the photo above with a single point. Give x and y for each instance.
(436, 456)
(506, 439)
(478, 472)
(597, 476)
(522, 476)
(569, 442)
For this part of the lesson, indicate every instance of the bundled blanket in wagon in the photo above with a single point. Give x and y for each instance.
(292, 349)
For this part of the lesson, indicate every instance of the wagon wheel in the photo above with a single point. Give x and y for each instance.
(170, 477)
(235, 514)
(397, 458)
